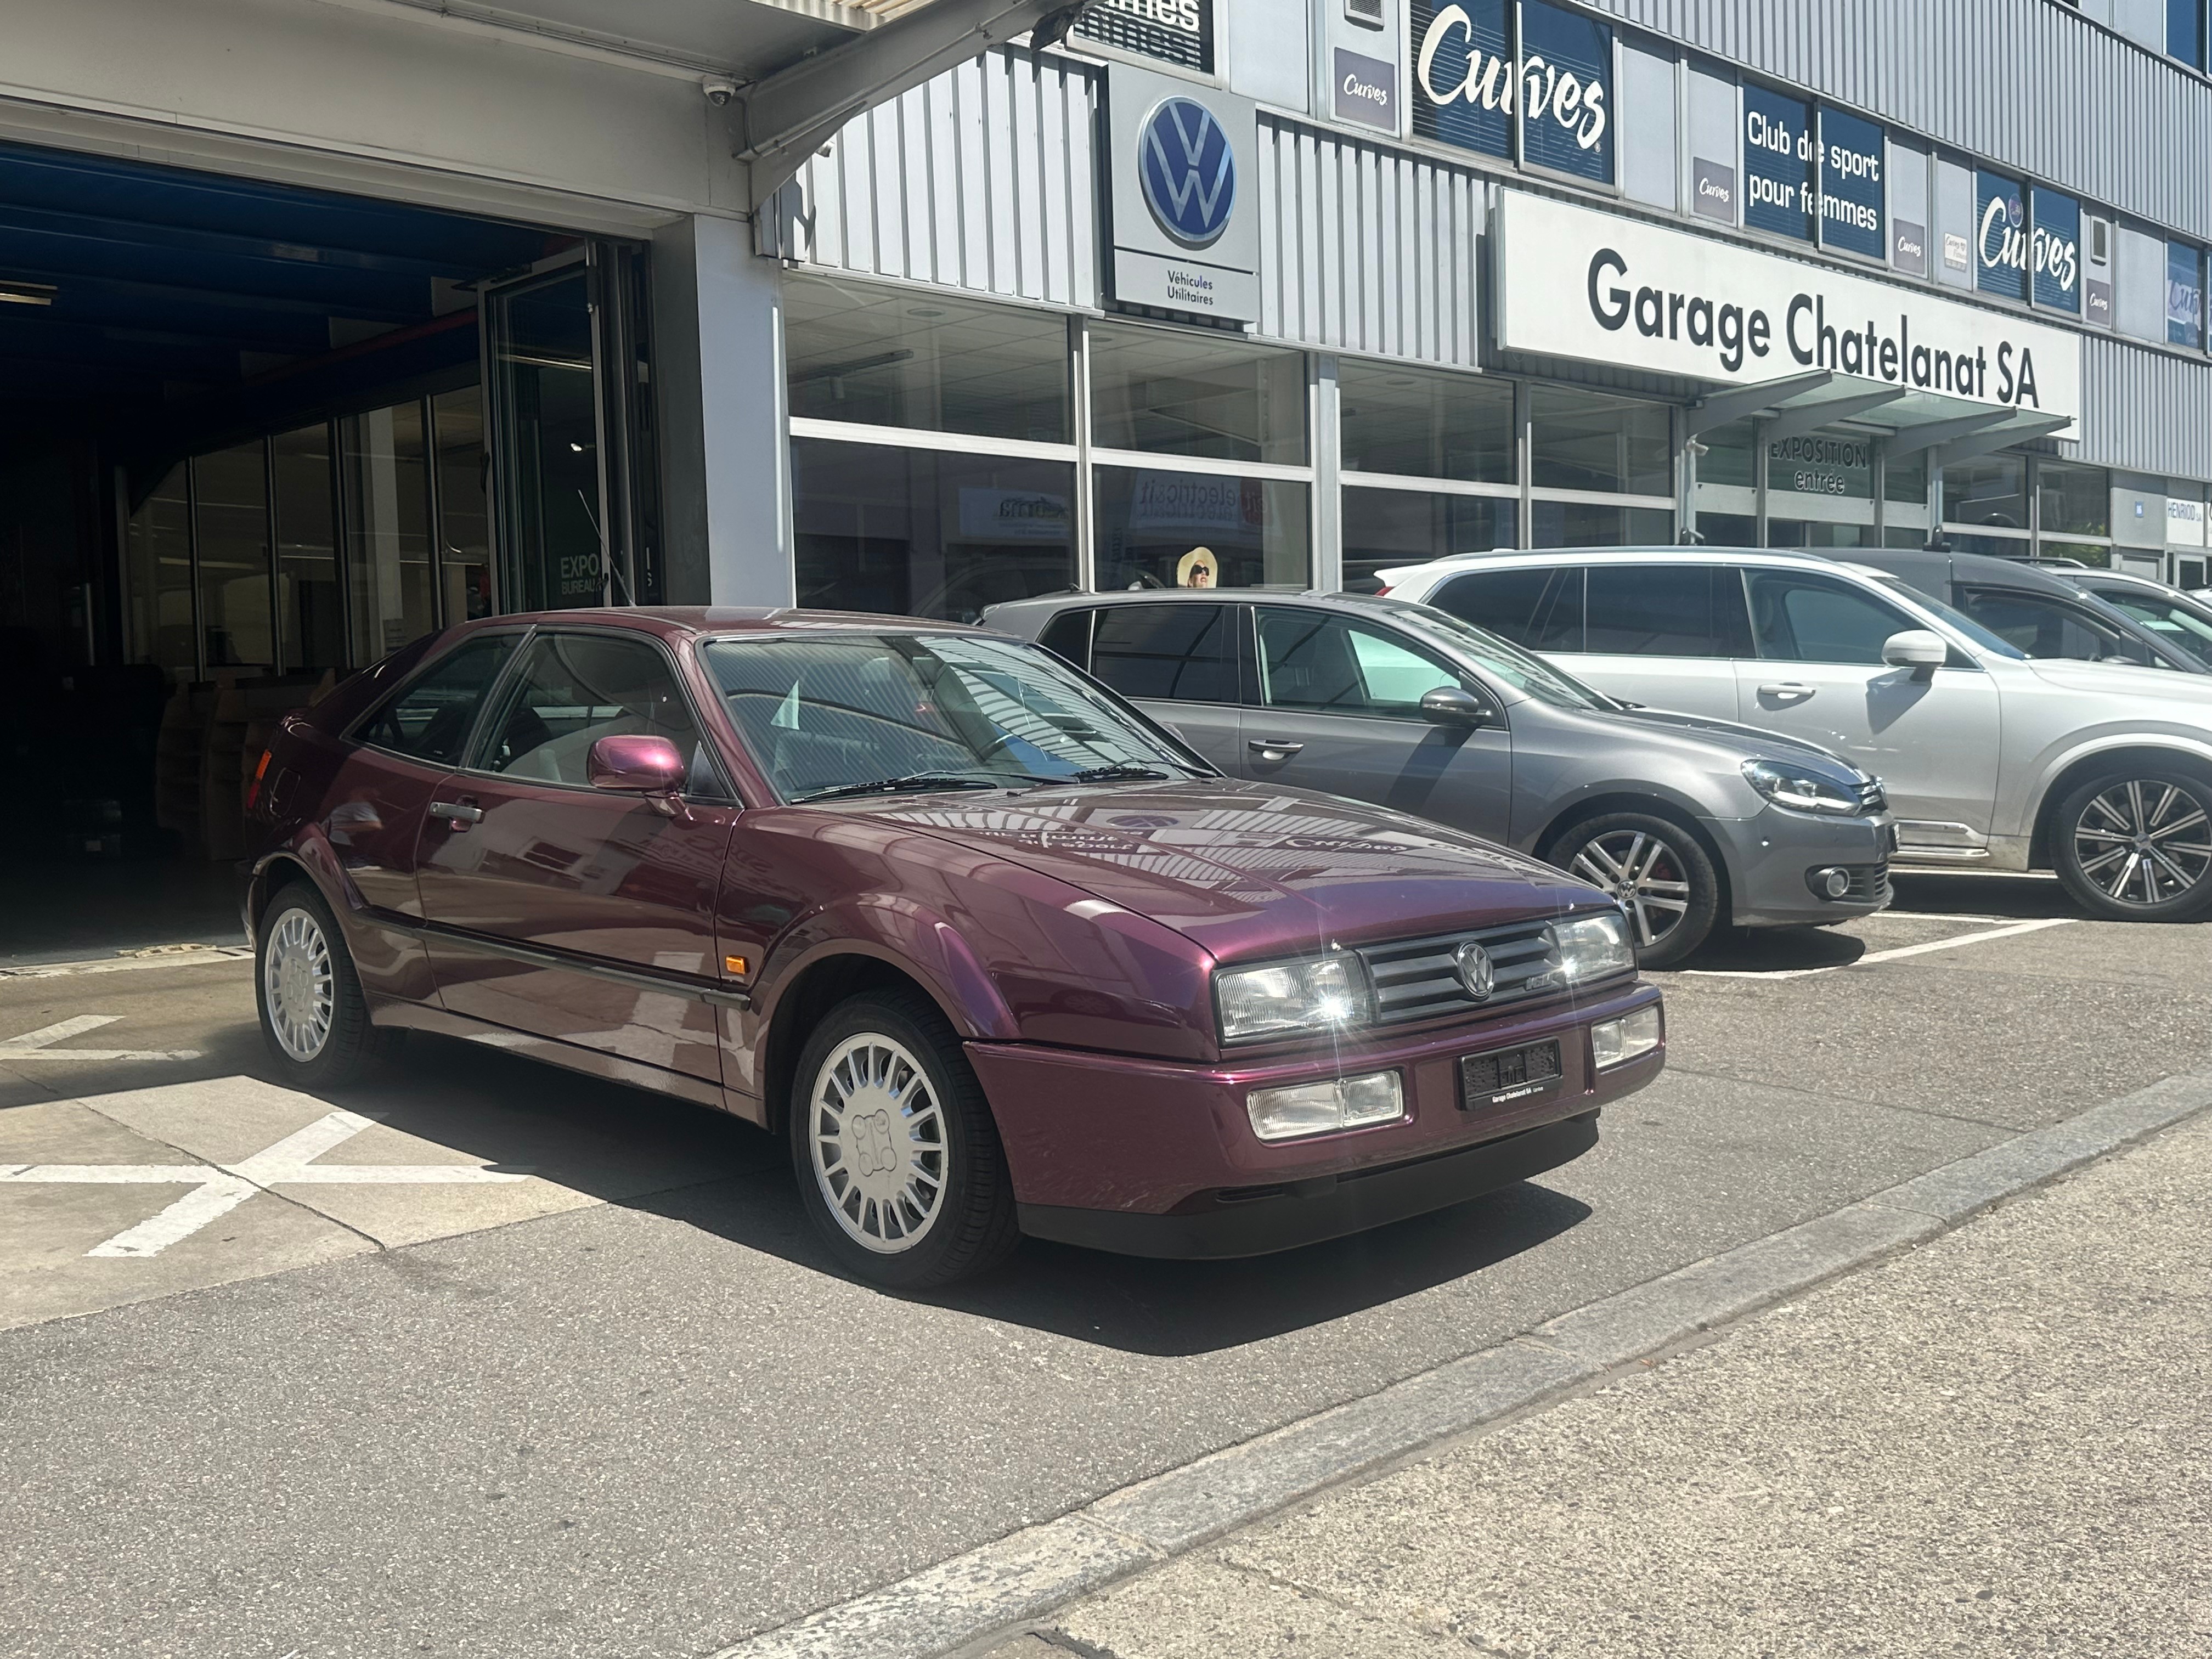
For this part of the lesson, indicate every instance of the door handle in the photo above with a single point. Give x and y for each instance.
(1268, 751)
(459, 814)
(1794, 691)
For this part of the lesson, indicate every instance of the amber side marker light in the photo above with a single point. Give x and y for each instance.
(737, 965)
(253, 792)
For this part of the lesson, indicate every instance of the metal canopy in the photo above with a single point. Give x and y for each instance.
(1946, 427)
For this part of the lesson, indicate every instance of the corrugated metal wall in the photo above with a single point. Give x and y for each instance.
(2144, 410)
(1366, 249)
(2024, 83)
(980, 179)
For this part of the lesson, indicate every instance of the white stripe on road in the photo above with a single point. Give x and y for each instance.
(48, 1034)
(212, 953)
(207, 1202)
(1897, 955)
(39, 1044)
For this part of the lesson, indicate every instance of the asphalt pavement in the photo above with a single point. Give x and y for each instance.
(618, 1404)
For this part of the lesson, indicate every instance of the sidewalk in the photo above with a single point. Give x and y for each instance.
(1999, 1444)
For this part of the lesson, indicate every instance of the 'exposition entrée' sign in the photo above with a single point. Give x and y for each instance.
(1572, 283)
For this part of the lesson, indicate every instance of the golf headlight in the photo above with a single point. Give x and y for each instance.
(1796, 786)
(1316, 995)
(1592, 947)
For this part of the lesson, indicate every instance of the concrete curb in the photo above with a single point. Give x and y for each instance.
(961, 1602)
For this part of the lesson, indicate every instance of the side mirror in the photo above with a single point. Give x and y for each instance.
(635, 766)
(1449, 705)
(1916, 648)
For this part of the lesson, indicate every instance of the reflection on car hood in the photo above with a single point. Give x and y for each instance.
(2185, 696)
(1753, 742)
(1247, 871)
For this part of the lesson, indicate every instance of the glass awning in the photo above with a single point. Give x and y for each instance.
(1912, 422)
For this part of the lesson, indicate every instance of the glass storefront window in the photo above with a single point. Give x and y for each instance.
(1589, 524)
(1421, 424)
(1829, 464)
(2072, 500)
(1814, 532)
(1184, 394)
(1992, 490)
(1905, 479)
(1583, 440)
(1727, 529)
(1995, 547)
(548, 470)
(384, 480)
(919, 533)
(1162, 529)
(904, 358)
(1731, 456)
(158, 548)
(2094, 554)
(1387, 527)
(310, 607)
(464, 522)
(230, 512)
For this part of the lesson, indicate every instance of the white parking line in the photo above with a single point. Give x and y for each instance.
(199, 956)
(39, 1044)
(2011, 930)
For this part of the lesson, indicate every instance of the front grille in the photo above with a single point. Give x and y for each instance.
(1868, 882)
(1418, 979)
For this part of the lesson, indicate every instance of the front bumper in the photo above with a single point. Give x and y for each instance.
(1770, 855)
(1151, 1158)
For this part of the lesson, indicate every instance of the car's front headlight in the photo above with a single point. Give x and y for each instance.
(1591, 947)
(1318, 993)
(1796, 787)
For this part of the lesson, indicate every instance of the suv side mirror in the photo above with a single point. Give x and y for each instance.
(1916, 648)
(1450, 705)
(635, 765)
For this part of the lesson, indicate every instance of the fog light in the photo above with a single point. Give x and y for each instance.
(1831, 882)
(1618, 1041)
(1320, 1109)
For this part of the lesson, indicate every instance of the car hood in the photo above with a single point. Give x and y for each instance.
(1247, 871)
(2179, 696)
(1743, 742)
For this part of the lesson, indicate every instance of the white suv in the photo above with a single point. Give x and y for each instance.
(2102, 771)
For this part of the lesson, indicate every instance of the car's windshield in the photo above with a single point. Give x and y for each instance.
(2185, 629)
(1507, 661)
(1994, 643)
(863, 713)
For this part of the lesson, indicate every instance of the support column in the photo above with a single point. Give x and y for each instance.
(726, 465)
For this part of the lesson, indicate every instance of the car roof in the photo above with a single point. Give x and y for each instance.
(1972, 567)
(668, 620)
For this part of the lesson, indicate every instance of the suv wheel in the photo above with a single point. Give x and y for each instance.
(313, 1017)
(1657, 871)
(2137, 846)
(898, 1160)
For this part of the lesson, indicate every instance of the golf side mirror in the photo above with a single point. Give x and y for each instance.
(1449, 705)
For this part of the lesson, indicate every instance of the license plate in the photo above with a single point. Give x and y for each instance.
(1507, 1074)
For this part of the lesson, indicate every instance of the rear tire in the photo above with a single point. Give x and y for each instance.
(896, 1155)
(2136, 846)
(314, 1018)
(1658, 872)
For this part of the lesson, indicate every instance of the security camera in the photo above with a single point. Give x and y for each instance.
(719, 92)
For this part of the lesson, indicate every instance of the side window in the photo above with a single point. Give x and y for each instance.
(1541, 610)
(428, 718)
(1068, 635)
(2051, 627)
(1324, 664)
(1174, 652)
(1665, 611)
(1817, 619)
(575, 689)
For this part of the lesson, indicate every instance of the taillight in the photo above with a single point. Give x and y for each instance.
(1382, 593)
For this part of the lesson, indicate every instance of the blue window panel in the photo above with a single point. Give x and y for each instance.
(1853, 197)
(1567, 92)
(1463, 75)
(2184, 31)
(2057, 250)
(2185, 295)
(1777, 164)
(2001, 237)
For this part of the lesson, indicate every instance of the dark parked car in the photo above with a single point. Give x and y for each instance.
(995, 952)
(1693, 823)
(2182, 622)
(2036, 609)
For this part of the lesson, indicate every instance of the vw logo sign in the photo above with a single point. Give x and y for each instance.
(1189, 171)
(1476, 972)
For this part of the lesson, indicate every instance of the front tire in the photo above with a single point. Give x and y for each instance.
(897, 1156)
(2136, 846)
(1658, 872)
(314, 1018)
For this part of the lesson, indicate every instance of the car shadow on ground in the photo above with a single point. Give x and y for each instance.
(1773, 949)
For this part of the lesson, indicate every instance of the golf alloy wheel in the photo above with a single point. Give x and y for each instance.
(297, 985)
(877, 1142)
(2144, 844)
(1646, 873)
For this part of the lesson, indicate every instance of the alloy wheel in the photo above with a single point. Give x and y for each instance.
(296, 977)
(1645, 873)
(878, 1143)
(2143, 842)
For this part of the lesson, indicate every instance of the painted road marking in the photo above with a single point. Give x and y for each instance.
(39, 1044)
(197, 956)
(220, 1188)
(1897, 955)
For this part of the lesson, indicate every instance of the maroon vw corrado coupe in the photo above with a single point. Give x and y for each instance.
(996, 952)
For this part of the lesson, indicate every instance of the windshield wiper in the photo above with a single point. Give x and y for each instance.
(910, 783)
(1114, 774)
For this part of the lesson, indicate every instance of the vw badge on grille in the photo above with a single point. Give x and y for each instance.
(1475, 971)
